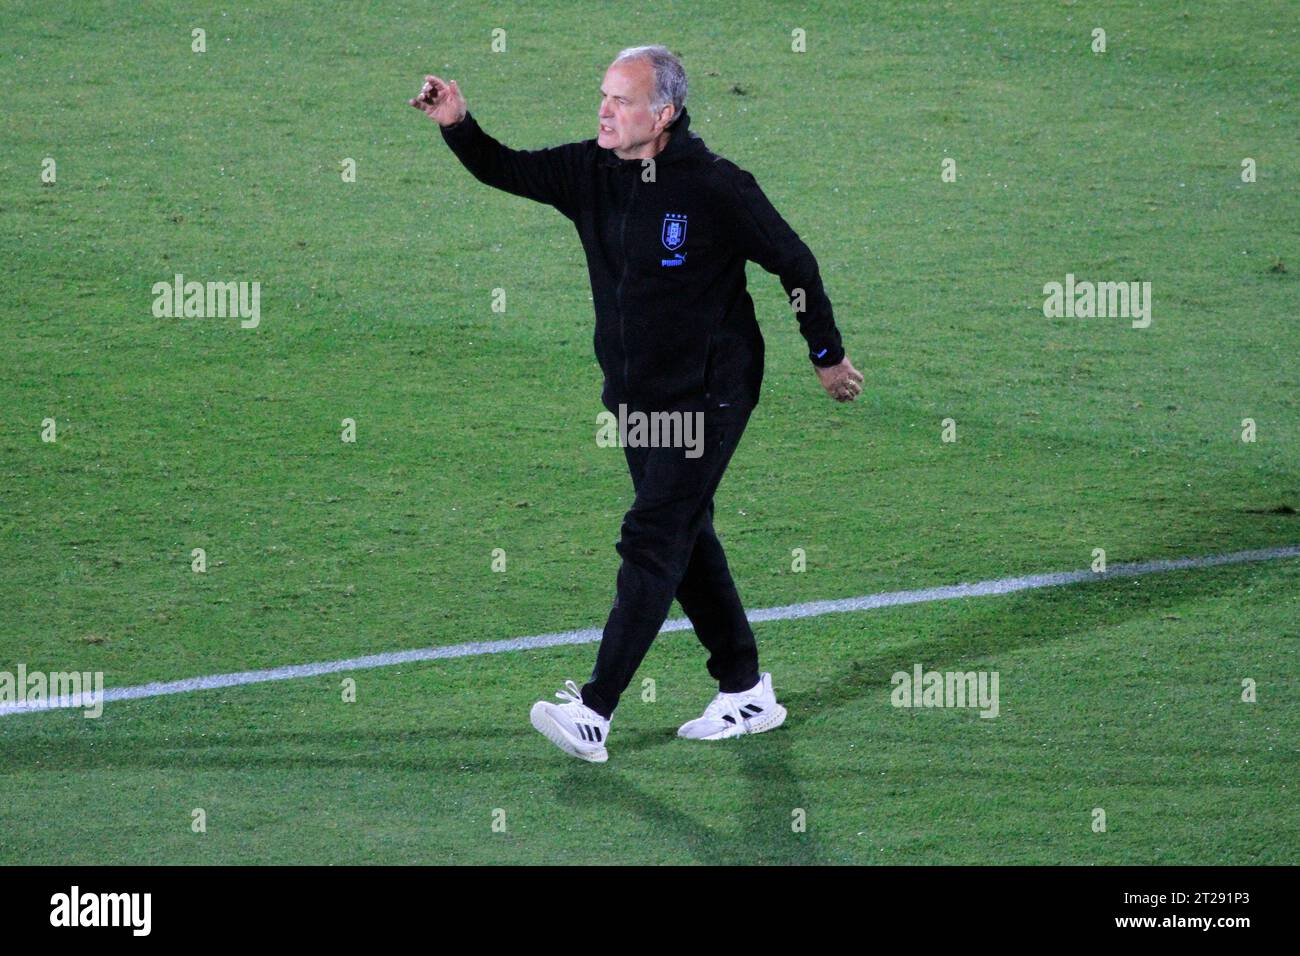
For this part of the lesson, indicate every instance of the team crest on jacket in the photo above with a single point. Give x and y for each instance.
(674, 233)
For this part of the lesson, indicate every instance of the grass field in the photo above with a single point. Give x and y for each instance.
(475, 431)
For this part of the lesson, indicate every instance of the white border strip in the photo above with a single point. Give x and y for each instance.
(589, 635)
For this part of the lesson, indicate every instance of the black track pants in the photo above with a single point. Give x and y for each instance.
(669, 549)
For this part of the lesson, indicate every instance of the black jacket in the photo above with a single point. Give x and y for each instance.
(675, 327)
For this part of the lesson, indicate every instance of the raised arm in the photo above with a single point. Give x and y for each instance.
(767, 239)
(543, 175)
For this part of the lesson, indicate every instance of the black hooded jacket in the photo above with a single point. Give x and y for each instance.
(666, 245)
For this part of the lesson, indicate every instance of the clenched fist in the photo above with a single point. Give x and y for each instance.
(842, 382)
(440, 101)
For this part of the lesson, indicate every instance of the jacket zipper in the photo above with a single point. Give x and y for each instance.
(618, 293)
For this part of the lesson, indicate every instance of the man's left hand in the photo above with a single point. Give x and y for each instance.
(842, 382)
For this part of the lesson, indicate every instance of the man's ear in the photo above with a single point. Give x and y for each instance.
(672, 116)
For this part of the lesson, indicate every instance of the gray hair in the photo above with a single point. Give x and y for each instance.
(670, 77)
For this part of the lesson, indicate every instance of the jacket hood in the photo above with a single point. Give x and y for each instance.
(681, 144)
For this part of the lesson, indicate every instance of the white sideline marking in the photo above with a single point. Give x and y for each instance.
(588, 635)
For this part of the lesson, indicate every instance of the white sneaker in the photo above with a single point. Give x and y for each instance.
(573, 727)
(731, 715)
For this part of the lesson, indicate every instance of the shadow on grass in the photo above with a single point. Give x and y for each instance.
(758, 830)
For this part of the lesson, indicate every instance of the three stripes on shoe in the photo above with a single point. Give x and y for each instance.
(749, 710)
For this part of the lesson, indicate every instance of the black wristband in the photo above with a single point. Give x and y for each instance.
(832, 355)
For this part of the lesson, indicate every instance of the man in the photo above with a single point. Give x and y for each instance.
(667, 227)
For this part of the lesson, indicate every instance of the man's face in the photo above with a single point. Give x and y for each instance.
(626, 123)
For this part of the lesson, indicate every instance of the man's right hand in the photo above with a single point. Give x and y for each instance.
(440, 101)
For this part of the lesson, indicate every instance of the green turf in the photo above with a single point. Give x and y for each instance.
(1133, 707)
(476, 431)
